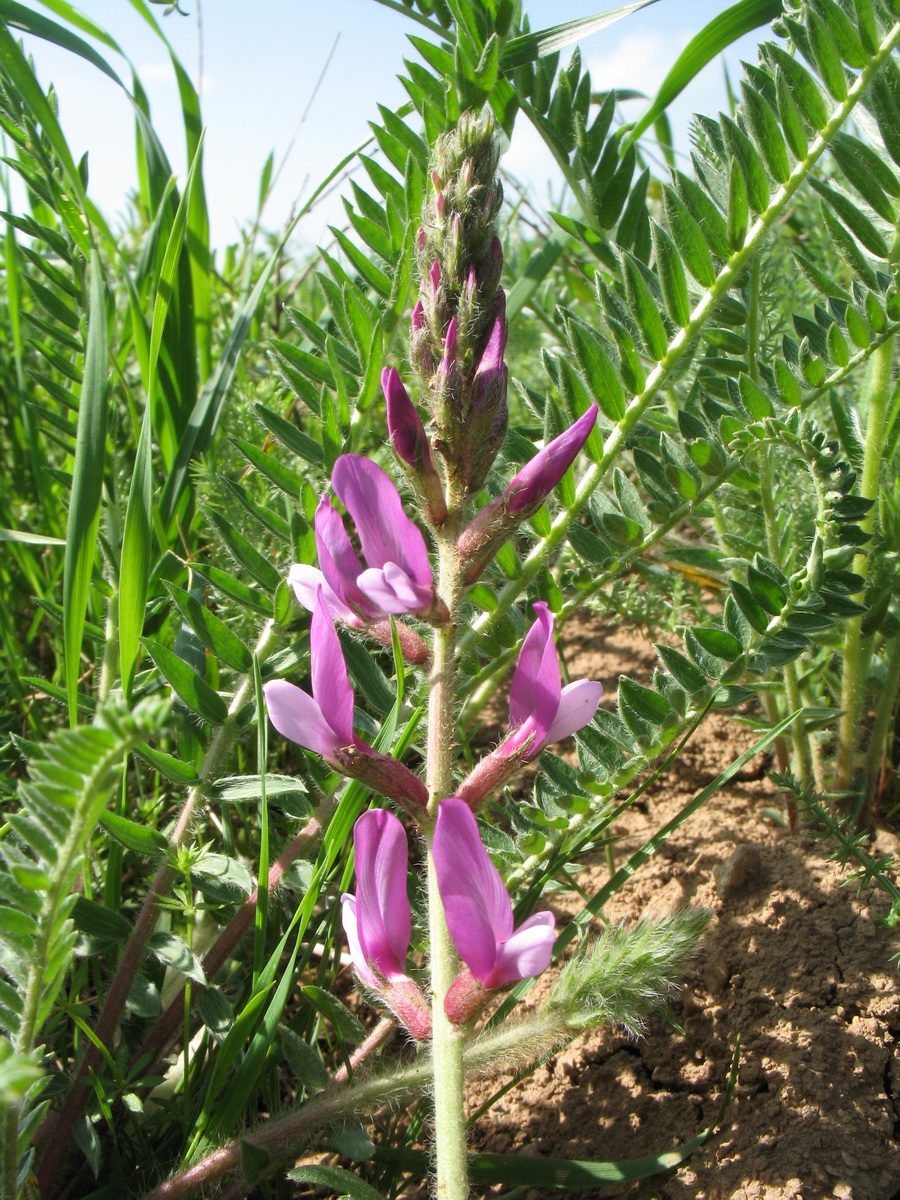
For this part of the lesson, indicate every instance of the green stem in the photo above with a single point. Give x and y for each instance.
(447, 1043)
(853, 678)
(799, 736)
(884, 715)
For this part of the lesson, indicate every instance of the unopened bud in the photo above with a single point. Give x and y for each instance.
(526, 492)
(411, 446)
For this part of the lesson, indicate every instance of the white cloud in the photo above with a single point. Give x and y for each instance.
(639, 61)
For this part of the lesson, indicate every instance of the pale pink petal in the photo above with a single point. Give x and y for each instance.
(351, 931)
(392, 589)
(306, 582)
(476, 904)
(298, 717)
(337, 558)
(527, 953)
(330, 683)
(577, 704)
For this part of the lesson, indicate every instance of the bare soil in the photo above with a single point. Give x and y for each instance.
(794, 963)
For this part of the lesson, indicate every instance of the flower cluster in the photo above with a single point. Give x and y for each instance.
(377, 920)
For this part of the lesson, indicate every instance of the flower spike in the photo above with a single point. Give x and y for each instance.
(377, 920)
(478, 908)
(541, 710)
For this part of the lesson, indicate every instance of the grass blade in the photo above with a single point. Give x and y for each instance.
(715, 37)
(525, 49)
(87, 483)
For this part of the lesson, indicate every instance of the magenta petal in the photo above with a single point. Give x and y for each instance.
(539, 477)
(298, 717)
(535, 689)
(405, 426)
(330, 683)
(527, 952)
(383, 914)
(477, 906)
(386, 533)
(351, 930)
(577, 704)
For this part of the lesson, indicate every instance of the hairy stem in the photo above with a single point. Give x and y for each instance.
(447, 1040)
(854, 660)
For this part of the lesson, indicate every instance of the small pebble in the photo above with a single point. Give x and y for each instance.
(741, 870)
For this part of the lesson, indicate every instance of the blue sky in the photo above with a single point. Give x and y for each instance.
(261, 65)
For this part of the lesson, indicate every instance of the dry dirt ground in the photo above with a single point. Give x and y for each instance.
(794, 963)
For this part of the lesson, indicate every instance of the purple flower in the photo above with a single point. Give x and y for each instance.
(340, 569)
(491, 374)
(524, 495)
(541, 710)
(377, 919)
(478, 909)
(322, 722)
(408, 436)
(398, 576)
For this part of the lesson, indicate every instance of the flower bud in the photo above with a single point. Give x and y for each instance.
(526, 492)
(411, 446)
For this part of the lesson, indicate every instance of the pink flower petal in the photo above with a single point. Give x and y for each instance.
(330, 683)
(339, 562)
(577, 704)
(539, 477)
(383, 914)
(351, 930)
(298, 717)
(477, 906)
(405, 426)
(527, 953)
(535, 689)
(306, 582)
(386, 533)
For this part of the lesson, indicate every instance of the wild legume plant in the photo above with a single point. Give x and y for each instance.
(396, 469)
